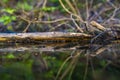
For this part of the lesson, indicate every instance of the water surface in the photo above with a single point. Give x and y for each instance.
(68, 61)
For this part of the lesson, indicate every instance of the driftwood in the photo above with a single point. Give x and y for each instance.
(57, 37)
(97, 25)
(43, 37)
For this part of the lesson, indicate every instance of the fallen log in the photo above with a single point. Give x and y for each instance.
(44, 37)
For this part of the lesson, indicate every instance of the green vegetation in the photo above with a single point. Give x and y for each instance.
(7, 16)
(32, 16)
(56, 65)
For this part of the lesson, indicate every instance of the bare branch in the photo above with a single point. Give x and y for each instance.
(97, 25)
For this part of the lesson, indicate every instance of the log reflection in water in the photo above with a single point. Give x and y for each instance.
(67, 54)
(110, 53)
(40, 47)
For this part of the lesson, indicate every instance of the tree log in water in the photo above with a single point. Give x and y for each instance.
(44, 37)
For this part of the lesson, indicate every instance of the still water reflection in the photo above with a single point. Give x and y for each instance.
(68, 61)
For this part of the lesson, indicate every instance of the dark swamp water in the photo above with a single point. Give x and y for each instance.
(68, 61)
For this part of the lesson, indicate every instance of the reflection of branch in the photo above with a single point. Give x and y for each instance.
(100, 50)
(71, 66)
(60, 69)
(35, 48)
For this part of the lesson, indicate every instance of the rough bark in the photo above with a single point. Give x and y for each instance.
(43, 37)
